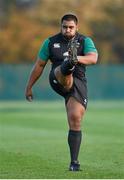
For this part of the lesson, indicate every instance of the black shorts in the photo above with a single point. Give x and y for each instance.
(78, 90)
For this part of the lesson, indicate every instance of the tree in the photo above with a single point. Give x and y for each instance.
(109, 32)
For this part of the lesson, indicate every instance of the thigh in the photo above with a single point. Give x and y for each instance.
(79, 92)
(75, 112)
(75, 108)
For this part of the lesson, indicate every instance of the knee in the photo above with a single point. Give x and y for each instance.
(74, 120)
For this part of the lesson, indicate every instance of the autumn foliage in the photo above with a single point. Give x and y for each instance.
(23, 30)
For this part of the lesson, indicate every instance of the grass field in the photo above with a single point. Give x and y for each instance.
(33, 141)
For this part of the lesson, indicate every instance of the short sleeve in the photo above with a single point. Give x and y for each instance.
(44, 51)
(89, 46)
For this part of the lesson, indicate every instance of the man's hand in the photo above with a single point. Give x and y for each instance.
(29, 94)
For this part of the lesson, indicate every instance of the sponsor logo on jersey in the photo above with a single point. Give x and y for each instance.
(65, 54)
(56, 45)
(65, 59)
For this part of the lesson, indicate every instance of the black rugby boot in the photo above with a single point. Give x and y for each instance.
(74, 166)
(72, 51)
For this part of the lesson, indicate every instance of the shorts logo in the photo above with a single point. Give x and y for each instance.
(85, 101)
(55, 82)
(56, 45)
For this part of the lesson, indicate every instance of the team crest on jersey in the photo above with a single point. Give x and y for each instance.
(56, 45)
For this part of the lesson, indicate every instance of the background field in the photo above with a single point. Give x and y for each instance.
(33, 140)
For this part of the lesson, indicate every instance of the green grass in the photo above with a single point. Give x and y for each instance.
(33, 141)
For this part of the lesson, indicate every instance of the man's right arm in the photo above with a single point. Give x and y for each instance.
(43, 56)
(34, 76)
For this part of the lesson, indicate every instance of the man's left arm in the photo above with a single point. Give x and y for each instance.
(91, 54)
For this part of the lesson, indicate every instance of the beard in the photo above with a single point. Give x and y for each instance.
(68, 36)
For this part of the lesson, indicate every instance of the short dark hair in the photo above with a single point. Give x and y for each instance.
(70, 17)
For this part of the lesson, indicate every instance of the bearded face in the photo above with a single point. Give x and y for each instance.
(68, 29)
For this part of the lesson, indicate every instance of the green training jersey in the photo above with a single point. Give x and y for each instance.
(44, 49)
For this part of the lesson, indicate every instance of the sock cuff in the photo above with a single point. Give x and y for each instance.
(73, 132)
